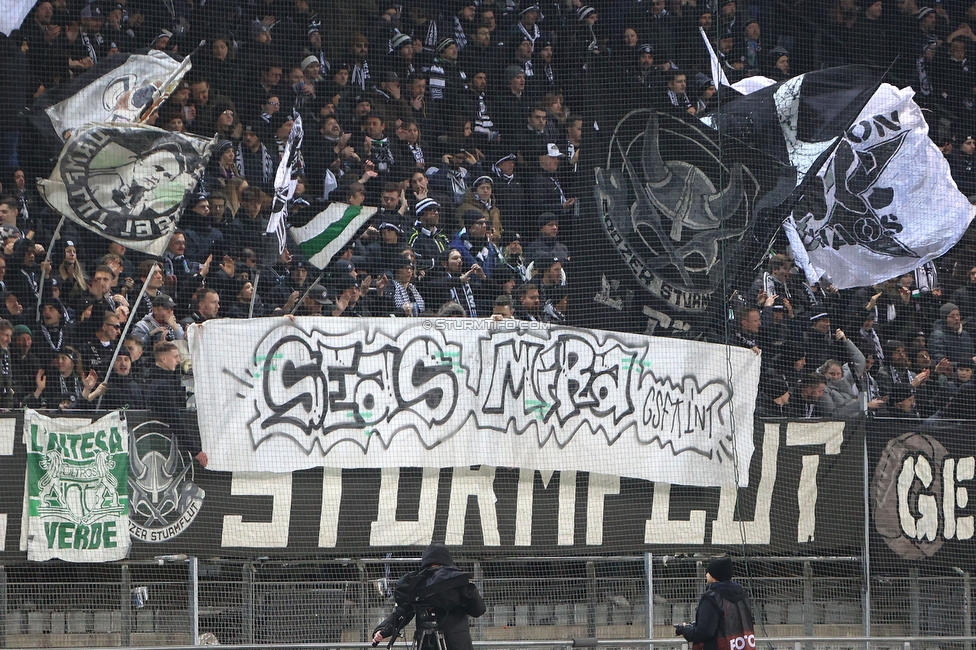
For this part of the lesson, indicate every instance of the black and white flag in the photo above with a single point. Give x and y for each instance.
(797, 121)
(884, 202)
(285, 184)
(127, 182)
(119, 89)
(679, 204)
(13, 15)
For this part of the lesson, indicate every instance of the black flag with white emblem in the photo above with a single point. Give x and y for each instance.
(680, 204)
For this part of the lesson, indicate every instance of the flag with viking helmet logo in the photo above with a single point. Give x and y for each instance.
(76, 502)
(679, 203)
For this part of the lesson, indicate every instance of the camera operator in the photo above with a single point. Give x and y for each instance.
(441, 596)
(724, 616)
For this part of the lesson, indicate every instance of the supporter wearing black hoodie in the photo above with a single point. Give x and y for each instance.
(723, 611)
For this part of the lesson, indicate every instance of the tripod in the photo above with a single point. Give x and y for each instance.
(429, 639)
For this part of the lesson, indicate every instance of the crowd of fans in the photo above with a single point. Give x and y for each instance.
(473, 126)
(899, 349)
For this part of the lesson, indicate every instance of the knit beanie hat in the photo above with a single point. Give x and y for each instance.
(720, 568)
(946, 309)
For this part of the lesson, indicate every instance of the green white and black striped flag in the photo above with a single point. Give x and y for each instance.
(322, 237)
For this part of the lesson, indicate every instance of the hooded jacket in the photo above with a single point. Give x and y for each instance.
(441, 592)
(723, 614)
(842, 399)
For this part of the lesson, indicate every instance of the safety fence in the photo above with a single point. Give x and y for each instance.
(179, 601)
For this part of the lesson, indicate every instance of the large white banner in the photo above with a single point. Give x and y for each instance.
(884, 203)
(76, 504)
(277, 396)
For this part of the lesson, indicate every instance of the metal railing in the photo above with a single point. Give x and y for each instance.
(624, 601)
(886, 643)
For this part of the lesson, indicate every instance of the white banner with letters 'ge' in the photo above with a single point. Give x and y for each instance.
(276, 396)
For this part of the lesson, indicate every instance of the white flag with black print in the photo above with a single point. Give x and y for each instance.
(285, 183)
(884, 203)
(13, 15)
(127, 182)
(121, 88)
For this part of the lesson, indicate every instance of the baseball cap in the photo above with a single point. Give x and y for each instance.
(162, 300)
(552, 150)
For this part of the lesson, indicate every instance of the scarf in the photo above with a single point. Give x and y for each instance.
(468, 298)
(900, 377)
(91, 48)
(381, 154)
(403, 294)
(811, 294)
(747, 341)
(460, 37)
(430, 40)
(458, 186)
(22, 200)
(50, 341)
(536, 33)
(31, 278)
(678, 100)
(324, 65)
(70, 384)
(753, 52)
(869, 387)
(924, 82)
(417, 151)
(508, 178)
(872, 338)
(483, 122)
(562, 195)
(591, 44)
(480, 255)
(171, 263)
(267, 163)
(360, 74)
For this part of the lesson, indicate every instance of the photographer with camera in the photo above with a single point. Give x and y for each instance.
(723, 619)
(441, 597)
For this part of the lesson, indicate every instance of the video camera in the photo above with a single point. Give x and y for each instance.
(428, 618)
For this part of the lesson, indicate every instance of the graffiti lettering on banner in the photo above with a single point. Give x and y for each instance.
(403, 393)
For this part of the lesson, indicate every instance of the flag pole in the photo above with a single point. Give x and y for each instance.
(254, 293)
(47, 258)
(125, 330)
(301, 300)
(170, 84)
(128, 321)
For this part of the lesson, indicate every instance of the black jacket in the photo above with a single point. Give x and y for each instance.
(723, 613)
(443, 593)
(123, 392)
(164, 394)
